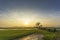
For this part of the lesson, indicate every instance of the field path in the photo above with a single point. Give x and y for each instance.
(32, 37)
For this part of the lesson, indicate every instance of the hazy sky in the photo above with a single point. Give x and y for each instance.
(23, 12)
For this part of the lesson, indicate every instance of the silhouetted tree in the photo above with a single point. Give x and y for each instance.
(38, 25)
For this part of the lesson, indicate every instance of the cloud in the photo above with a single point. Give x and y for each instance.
(0, 15)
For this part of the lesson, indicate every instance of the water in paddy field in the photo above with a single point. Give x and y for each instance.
(32, 37)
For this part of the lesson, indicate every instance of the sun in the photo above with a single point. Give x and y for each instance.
(26, 21)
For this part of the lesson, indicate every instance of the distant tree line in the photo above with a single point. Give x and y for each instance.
(39, 26)
(49, 29)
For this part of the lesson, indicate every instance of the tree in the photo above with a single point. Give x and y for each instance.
(38, 25)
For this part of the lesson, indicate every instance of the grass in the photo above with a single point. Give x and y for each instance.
(58, 34)
(47, 35)
(11, 34)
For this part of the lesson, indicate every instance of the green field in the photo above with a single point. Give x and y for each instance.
(58, 34)
(12, 34)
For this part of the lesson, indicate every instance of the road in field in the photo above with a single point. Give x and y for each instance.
(32, 37)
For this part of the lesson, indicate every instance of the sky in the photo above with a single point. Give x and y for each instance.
(29, 12)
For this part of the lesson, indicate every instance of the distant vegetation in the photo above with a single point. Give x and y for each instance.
(12, 34)
(50, 33)
(50, 29)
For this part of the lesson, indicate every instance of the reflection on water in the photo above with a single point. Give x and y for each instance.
(32, 37)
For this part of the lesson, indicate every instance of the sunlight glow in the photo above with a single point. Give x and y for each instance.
(26, 21)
